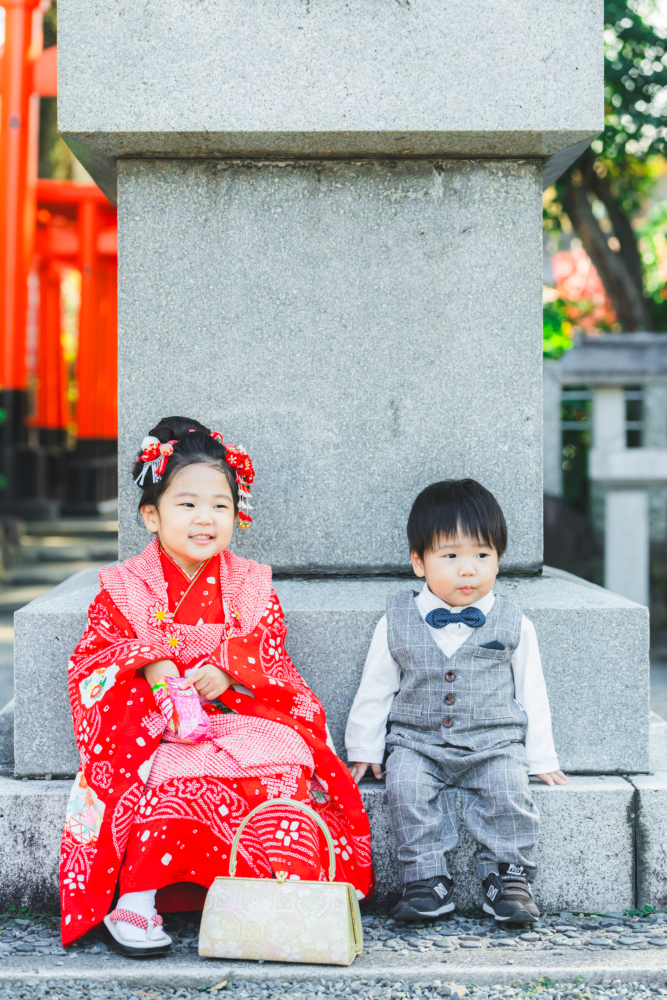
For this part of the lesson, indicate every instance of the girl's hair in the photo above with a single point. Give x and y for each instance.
(197, 448)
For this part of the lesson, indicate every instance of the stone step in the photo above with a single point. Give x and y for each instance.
(51, 572)
(597, 811)
(69, 549)
(84, 527)
(594, 647)
(572, 966)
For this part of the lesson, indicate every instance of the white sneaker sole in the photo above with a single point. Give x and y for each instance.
(520, 917)
(136, 949)
(413, 914)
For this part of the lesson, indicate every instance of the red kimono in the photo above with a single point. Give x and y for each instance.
(161, 813)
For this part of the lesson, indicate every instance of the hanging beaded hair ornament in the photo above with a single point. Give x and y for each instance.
(155, 455)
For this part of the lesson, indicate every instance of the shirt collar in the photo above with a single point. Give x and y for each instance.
(427, 601)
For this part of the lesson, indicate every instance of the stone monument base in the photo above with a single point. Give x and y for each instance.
(594, 648)
(586, 852)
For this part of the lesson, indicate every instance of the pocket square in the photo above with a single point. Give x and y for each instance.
(494, 644)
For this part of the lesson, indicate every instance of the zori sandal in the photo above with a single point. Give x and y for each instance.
(156, 942)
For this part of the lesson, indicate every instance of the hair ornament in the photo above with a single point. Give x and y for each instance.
(239, 459)
(155, 455)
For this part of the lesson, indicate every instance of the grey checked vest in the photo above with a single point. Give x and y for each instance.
(467, 699)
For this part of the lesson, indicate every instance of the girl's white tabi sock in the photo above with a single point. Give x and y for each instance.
(142, 903)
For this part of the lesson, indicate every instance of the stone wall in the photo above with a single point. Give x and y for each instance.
(358, 327)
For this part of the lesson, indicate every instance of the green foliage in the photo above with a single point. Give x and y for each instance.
(557, 330)
(51, 25)
(653, 247)
(635, 76)
(55, 158)
(48, 920)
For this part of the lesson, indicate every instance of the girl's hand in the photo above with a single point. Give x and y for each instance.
(210, 681)
(553, 778)
(154, 672)
(358, 769)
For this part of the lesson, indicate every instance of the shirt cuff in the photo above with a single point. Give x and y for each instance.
(365, 755)
(543, 766)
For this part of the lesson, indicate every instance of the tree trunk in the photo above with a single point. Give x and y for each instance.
(621, 271)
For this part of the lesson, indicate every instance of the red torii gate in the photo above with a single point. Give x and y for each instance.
(58, 294)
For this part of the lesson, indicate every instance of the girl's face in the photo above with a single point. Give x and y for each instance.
(195, 518)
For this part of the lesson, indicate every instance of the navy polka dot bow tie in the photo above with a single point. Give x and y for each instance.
(440, 617)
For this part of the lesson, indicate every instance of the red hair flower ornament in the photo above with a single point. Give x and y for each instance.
(155, 455)
(239, 459)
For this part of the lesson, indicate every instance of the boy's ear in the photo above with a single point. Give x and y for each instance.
(417, 565)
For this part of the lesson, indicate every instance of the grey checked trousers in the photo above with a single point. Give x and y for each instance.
(497, 807)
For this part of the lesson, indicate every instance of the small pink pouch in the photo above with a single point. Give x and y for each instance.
(179, 703)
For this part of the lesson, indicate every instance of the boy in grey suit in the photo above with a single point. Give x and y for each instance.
(455, 671)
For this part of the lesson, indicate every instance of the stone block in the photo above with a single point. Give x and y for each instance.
(45, 634)
(651, 847)
(32, 815)
(594, 649)
(571, 876)
(7, 740)
(589, 811)
(291, 79)
(328, 317)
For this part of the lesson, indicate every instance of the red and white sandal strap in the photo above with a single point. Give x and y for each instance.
(135, 918)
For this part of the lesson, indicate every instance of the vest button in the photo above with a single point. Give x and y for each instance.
(448, 723)
(450, 676)
(449, 699)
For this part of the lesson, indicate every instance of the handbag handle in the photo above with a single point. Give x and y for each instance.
(293, 805)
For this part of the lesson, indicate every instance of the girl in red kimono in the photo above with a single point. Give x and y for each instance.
(150, 812)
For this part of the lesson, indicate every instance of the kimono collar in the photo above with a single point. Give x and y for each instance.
(245, 585)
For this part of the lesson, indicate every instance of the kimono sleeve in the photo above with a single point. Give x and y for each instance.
(110, 637)
(260, 662)
(108, 655)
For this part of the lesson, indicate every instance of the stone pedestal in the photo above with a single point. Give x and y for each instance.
(594, 648)
(591, 810)
(338, 307)
(330, 249)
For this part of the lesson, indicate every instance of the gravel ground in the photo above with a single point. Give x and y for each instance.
(614, 931)
(30, 937)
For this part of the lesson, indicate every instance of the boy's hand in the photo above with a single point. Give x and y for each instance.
(210, 681)
(553, 778)
(358, 770)
(154, 672)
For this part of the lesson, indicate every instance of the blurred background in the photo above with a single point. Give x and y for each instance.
(58, 407)
(605, 335)
(605, 349)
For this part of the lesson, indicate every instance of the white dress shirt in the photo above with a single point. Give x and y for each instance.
(367, 723)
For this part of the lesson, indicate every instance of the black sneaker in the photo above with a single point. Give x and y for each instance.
(427, 898)
(507, 895)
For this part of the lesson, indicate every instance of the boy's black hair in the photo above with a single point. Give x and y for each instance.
(443, 509)
(194, 446)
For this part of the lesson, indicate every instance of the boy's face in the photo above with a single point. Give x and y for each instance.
(458, 570)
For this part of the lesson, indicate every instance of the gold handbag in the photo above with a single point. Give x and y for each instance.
(279, 920)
